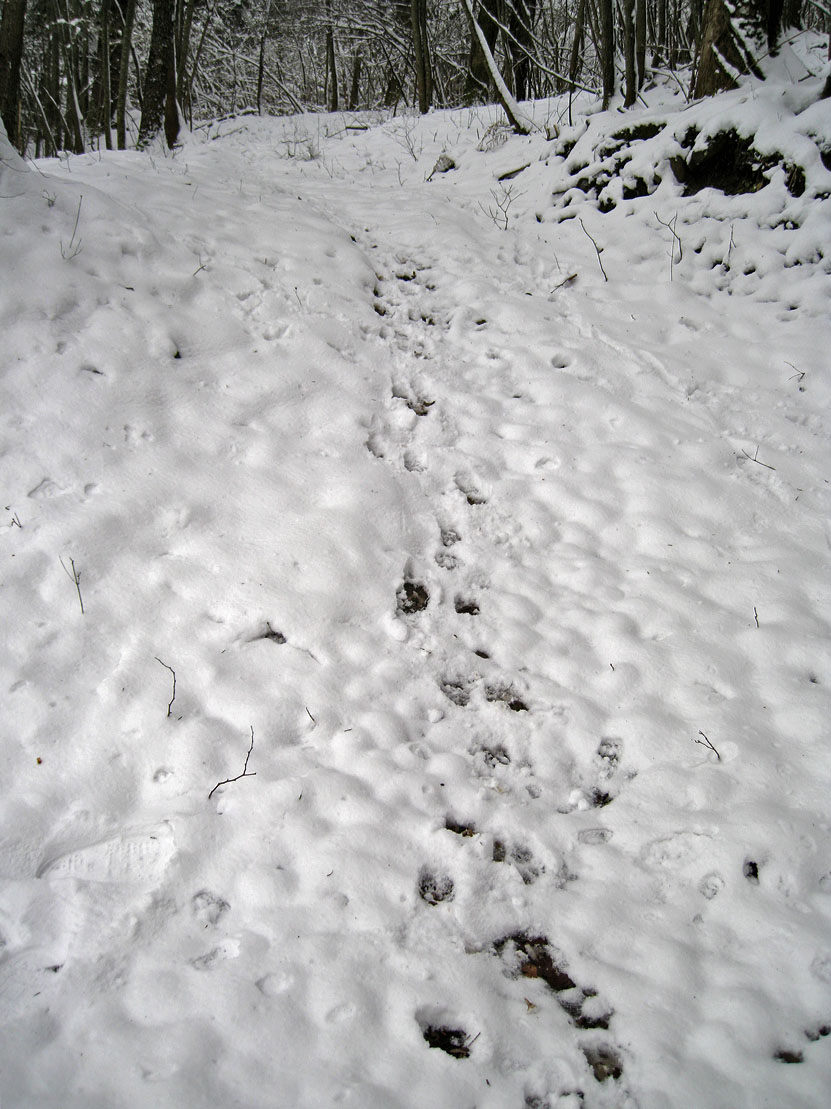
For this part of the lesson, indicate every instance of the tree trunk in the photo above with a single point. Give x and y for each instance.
(478, 74)
(106, 78)
(331, 69)
(521, 41)
(516, 117)
(124, 74)
(577, 43)
(629, 52)
(11, 55)
(261, 60)
(355, 88)
(418, 19)
(640, 42)
(161, 76)
(607, 48)
(659, 54)
(732, 38)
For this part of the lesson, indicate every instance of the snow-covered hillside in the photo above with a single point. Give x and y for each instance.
(416, 672)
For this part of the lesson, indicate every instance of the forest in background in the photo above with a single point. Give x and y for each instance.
(77, 75)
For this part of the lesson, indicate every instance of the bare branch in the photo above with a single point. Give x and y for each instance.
(246, 773)
(75, 576)
(598, 251)
(705, 742)
(173, 672)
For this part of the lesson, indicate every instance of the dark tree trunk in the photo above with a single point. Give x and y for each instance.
(11, 55)
(124, 74)
(331, 70)
(629, 52)
(577, 43)
(607, 48)
(106, 91)
(478, 74)
(659, 54)
(421, 50)
(261, 60)
(520, 22)
(355, 88)
(160, 81)
(640, 42)
(792, 16)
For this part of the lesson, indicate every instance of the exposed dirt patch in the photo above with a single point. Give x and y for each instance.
(460, 829)
(412, 597)
(454, 1041)
(729, 163)
(534, 959)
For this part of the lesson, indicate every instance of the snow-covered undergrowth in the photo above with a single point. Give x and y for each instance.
(496, 598)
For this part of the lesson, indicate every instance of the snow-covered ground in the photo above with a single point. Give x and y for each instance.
(505, 585)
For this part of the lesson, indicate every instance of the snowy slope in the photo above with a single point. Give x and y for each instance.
(458, 551)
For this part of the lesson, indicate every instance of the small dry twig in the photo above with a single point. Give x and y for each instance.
(756, 616)
(572, 277)
(598, 251)
(173, 672)
(755, 458)
(246, 773)
(74, 249)
(670, 226)
(75, 576)
(705, 742)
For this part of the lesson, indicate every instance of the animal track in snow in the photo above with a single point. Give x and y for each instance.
(209, 908)
(434, 888)
(470, 489)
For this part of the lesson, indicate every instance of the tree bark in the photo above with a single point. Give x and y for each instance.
(732, 39)
(124, 74)
(11, 56)
(629, 52)
(160, 81)
(607, 48)
(640, 42)
(331, 69)
(355, 88)
(521, 41)
(106, 78)
(421, 50)
(261, 60)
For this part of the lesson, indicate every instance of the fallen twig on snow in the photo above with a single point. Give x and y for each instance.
(755, 458)
(246, 773)
(705, 742)
(598, 251)
(76, 577)
(173, 672)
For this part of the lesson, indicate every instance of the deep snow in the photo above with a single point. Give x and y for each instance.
(478, 548)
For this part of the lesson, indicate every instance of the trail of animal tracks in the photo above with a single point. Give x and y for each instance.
(494, 592)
